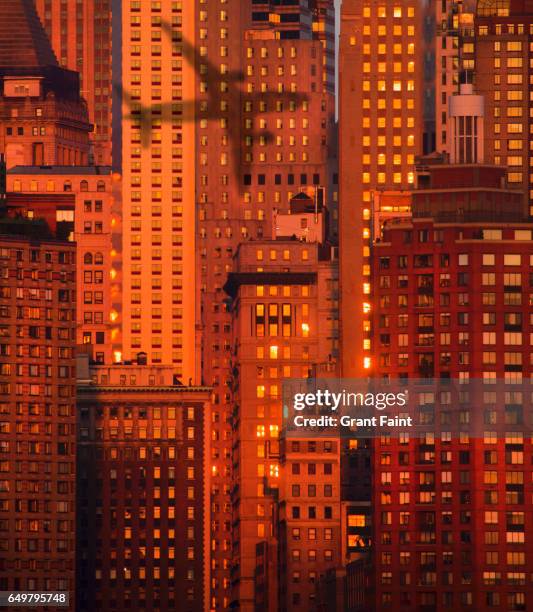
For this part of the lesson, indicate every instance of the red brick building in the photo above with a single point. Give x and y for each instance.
(453, 295)
(143, 485)
(37, 408)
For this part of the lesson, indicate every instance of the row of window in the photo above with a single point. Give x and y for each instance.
(36, 255)
(427, 320)
(463, 259)
(426, 300)
(426, 281)
(35, 370)
(84, 185)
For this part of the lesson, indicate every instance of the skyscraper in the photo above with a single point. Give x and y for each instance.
(81, 35)
(159, 177)
(37, 406)
(498, 52)
(381, 113)
(271, 141)
(452, 303)
(285, 326)
(455, 22)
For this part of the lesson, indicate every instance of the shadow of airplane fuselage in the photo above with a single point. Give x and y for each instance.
(219, 87)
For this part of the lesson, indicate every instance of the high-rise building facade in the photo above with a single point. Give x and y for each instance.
(499, 52)
(81, 36)
(95, 219)
(159, 179)
(454, 23)
(37, 407)
(382, 50)
(453, 297)
(44, 119)
(284, 303)
(143, 496)
(270, 140)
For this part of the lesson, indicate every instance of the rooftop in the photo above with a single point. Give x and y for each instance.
(61, 170)
(34, 229)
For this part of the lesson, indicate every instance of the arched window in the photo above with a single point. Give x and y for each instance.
(98, 259)
(88, 258)
(67, 186)
(100, 186)
(84, 186)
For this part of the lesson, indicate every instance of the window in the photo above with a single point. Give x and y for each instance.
(512, 260)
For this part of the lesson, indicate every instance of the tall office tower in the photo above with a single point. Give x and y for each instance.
(285, 325)
(80, 34)
(455, 23)
(37, 407)
(382, 46)
(262, 137)
(159, 240)
(44, 120)
(143, 506)
(88, 192)
(501, 55)
(453, 296)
